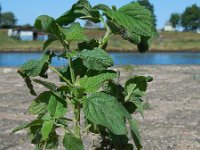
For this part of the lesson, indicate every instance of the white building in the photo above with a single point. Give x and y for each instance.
(168, 27)
(27, 35)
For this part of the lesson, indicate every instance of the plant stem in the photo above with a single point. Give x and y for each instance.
(60, 75)
(77, 120)
(76, 105)
(107, 35)
(71, 70)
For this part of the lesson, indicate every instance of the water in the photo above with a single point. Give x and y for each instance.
(15, 59)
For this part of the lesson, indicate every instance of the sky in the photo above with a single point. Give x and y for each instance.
(26, 11)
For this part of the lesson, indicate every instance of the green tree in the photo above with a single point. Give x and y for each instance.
(8, 19)
(148, 6)
(190, 19)
(175, 19)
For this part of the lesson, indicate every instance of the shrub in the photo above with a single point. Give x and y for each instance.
(88, 82)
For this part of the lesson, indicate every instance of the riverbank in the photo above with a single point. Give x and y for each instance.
(166, 41)
(171, 121)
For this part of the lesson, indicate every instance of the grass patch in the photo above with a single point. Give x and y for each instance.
(166, 41)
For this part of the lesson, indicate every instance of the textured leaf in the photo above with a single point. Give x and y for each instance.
(26, 125)
(96, 59)
(82, 10)
(79, 69)
(49, 85)
(134, 22)
(48, 24)
(46, 129)
(138, 103)
(140, 83)
(32, 68)
(135, 18)
(28, 82)
(102, 7)
(36, 67)
(135, 134)
(114, 89)
(132, 37)
(88, 44)
(56, 106)
(70, 142)
(48, 42)
(39, 105)
(144, 44)
(74, 33)
(62, 121)
(135, 88)
(120, 141)
(92, 84)
(103, 109)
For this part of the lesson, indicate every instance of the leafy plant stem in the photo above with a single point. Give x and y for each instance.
(77, 120)
(60, 75)
(71, 70)
(45, 144)
(107, 34)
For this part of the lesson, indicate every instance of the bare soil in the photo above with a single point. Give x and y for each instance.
(172, 121)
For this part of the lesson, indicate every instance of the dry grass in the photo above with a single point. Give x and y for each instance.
(166, 41)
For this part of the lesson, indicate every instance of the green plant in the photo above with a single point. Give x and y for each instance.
(88, 82)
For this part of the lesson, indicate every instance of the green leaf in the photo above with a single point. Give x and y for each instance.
(39, 105)
(134, 23)
(105, 110)
(135, 134)
(129, 90)
(82, 10)
(27, 125)
(114, 89)
(35, 67)
(56, 106)
(62, 121)
(144, 44)
(47, 128)
(132, 37)
(74, 33)
(27, 81)
(119, 141)
(79, 69)
(135, 88)
(96, 59)
(48, 42)
(102, 7)
(32, 68)
(138, 103)
(49, 85)
(139, 83)
(92, 84)
(88, 44)
(48, 24)
(70, 142)
(134, 18)
(34, 134)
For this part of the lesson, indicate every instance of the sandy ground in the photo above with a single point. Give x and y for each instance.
(171, 123)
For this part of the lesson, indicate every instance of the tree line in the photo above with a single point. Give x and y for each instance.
(189, 19)
(7, 19)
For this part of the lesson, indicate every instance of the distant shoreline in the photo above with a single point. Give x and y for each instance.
(166, 42)
(108, 50)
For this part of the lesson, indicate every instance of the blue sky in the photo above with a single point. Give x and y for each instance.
(27, 10)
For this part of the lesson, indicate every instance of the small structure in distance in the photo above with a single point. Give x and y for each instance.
(27, 34)
(168, 27)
